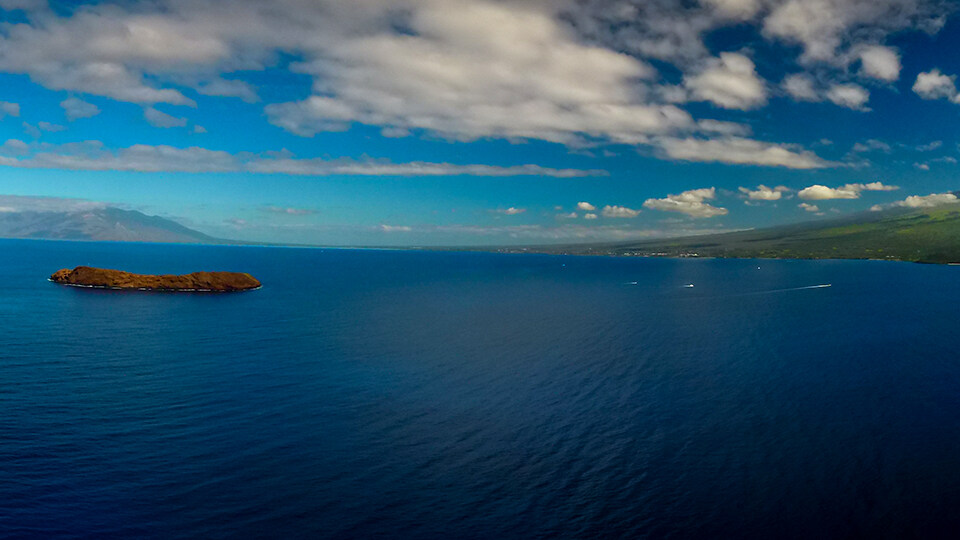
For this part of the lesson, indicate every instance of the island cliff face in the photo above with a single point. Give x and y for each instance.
(87, 276)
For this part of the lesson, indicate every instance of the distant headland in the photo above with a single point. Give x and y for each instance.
(86, 276)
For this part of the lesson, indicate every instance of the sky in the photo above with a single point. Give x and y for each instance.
(452, 122)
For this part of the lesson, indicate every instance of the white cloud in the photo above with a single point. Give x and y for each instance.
(819, 192)
(880, 62)
(619, 212)
(16, 203)
(571, 215)
(564, 232)
(823, 27)
(741, 151)
(14, 147)
(9, 109)
(395, 228)
(453, 77)
(935, 85)
(162, 120)
(876, 186)
(729, 81)
(567, 72)
(928, 201)
(803, 87)
(320, 167)
(26, 5)
(31, 130)
(800, 87)
(932, 145)
(870, 145)
(689, 202)
(589, 216)
(736, 9)
(723, 128)
(852, 96)
(583, 205)
(289, 211)
(809, 207)
(76, 108)
(93, 156)
(50, 127)
(512, 211)
(227, 88)
(922, 166)
(764, 193)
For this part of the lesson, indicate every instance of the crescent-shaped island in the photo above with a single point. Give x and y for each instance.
(87, 276)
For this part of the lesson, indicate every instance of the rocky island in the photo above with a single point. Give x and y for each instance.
(86, 276)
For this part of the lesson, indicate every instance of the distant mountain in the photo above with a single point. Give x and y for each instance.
(102, 224)
(930, 235)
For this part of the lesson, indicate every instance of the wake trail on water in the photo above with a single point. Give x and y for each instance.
(775, 291)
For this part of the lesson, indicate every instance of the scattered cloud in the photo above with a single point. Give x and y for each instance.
(689, 202)
(870, 145)
(849, 191)
(729, 81)
(764, 193)
(741, 151)
(395, 228)
(47, 126)
(809, 207)
(76, 109)
(94, 156)
(935, 85)
(851, 96)
(31, 130)
(879, 62)
(290, 211)
(589, 216)
(571, 215)
(737, 10)
(9, 109)
(574, 73)
(723, 128)
(933, 145)
(583, 205)
(824, 27)
(801, 87)
(922, 166)
(564, 232)
(512, 211)
(162, 120)
(619, 212)
(227, 88)
(928, 201)
(17, 203)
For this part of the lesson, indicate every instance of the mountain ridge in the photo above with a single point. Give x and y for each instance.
(106, 223)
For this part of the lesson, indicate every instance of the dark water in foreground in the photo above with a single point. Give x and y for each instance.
(429, 395)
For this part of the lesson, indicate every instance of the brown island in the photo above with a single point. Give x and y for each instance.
(86, 276)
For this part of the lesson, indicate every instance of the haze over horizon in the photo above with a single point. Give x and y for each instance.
(433, 122)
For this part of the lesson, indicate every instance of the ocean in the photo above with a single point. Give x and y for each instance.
(404, 394)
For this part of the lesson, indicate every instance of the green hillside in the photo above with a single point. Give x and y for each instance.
(926, 235)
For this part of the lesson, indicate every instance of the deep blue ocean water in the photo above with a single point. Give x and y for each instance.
(365, 394)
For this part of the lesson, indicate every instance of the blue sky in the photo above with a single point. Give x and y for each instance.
(411, 122)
